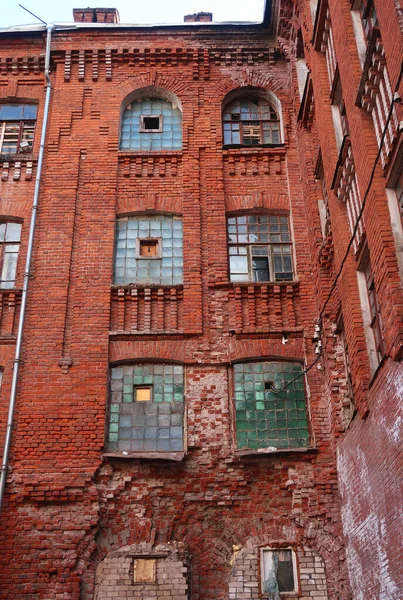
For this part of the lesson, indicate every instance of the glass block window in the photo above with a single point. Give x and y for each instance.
(259, 248)
(146, 408)
(151, 124)
(278, 571)
(251, 122)
(149, 250)
(17, 127)
(266, 417)
(10, 234)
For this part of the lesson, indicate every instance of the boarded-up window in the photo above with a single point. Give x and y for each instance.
(144, 570)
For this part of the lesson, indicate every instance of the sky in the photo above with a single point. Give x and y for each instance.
(132, 11)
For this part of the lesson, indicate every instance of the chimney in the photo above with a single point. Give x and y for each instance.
(96, 15)
(201, 17)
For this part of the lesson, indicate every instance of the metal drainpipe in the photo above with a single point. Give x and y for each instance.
(4, 467)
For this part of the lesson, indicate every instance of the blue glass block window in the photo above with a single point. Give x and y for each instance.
(151, 124)
(149, 250)
(266, 417)
(146, 408)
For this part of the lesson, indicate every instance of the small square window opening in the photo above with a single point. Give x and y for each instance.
(144, 570)
(148, 248)
(143, 393)
(151, 124)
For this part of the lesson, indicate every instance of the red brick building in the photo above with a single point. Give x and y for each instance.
(207, 387)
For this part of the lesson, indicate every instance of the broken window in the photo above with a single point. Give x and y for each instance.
(146, 408)
(151, 124)
(149, 250)
(259, 248)
(278, 572)
(251, 122)
(17, 127)
(10, 234)
(266, 414)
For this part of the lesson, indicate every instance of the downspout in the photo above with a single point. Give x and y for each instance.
(27, 274)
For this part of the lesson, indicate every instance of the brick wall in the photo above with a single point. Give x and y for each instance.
(69, 506)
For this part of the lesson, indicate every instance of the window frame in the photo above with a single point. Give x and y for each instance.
(26, 129)
(246, 451)
(4, 244)
(294, 561)
(269, 245)
(371, 315)
(118, 400)
(258, 124)
(160, 118)
(131, 268)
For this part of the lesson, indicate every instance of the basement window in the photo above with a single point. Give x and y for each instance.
(17, 128)
(266, 414)
(278, 569)
(146, 411)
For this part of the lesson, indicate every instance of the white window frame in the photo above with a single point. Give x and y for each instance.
(263, 550)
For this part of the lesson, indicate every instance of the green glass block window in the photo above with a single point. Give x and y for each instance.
(266, 417)
(151, 124)
(149, 250)
(146, 408)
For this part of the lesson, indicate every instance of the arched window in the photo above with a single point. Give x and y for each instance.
(151, 123)
(251, 121)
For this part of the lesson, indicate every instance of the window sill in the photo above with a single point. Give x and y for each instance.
(269, 451)
(165, 456)
(148, 153)
(142, 286)
(257, 284)
(252, 149)
(26, 157)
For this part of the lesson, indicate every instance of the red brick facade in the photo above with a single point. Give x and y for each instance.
(82, 521)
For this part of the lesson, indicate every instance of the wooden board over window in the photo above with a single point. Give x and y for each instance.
(144, 570)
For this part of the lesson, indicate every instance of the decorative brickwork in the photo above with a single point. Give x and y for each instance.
(82, 523)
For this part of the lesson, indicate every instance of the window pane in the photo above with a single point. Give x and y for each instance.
(13, 232)
(239, 264)
(260, 269)
(9, 269)
(11, 112)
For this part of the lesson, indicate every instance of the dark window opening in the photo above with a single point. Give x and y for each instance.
(152, 123)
